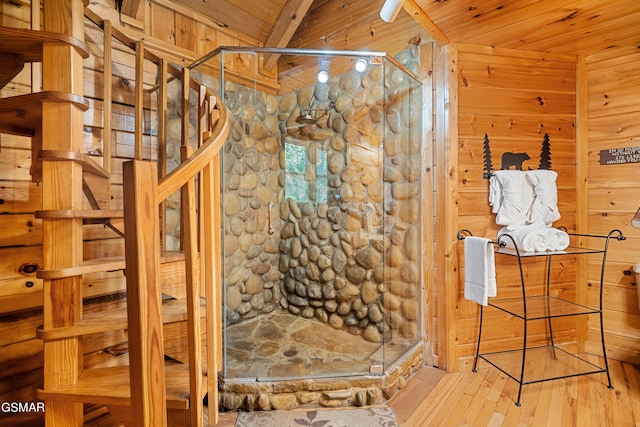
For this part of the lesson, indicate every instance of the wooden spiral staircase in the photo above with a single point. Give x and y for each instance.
(147, 391)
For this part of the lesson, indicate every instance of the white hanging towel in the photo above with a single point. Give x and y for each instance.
(480, 270)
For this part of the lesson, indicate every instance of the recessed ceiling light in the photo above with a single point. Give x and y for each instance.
(323, 76)
(361, 65)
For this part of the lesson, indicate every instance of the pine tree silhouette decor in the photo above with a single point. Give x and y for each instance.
(486, 151)
(545, 153)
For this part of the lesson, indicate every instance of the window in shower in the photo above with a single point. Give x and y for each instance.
(305, 178)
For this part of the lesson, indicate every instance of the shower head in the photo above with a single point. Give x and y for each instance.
(306, 118)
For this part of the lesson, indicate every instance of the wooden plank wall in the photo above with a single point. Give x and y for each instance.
(514, 97)
(183, 37)
(19, 197)
(20, 244)
(612, 104)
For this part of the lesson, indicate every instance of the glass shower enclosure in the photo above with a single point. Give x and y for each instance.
(321, 214)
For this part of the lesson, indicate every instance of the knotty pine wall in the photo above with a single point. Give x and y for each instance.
(585, 104)
(182, 35)
(611, 105)
(515, 97)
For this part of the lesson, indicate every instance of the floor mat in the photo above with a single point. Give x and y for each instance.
(361, 417)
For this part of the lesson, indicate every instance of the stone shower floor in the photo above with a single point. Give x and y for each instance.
(280, 345)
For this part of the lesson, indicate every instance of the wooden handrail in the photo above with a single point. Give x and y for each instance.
(107, 94)
(139, 100)
(143, 194)
(200, 158)
(131, 44)
(146, 54)
(194, 334)
(146, 187)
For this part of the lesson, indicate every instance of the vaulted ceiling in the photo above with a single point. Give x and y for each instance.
(559, 26)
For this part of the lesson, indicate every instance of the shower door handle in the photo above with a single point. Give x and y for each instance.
(269, 224)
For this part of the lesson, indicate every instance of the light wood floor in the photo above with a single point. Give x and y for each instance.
(487, 398)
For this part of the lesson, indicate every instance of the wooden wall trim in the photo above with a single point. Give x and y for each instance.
(446, 137)
(428, 232)
(582, 193)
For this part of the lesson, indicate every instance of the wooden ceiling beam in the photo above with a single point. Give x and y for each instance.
(416, 12)
(285, 27)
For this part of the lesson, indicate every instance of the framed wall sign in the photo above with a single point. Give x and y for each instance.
(616, 156)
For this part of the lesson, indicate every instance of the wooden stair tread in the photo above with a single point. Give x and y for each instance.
(101, 265)
(87, 214)
(171, 256)
(22, 114)
(11, 64)
(173, 310)
(88, 164)
(90, 266)
(110, 386)
(102, 321)
(29, 43)
(116, 224)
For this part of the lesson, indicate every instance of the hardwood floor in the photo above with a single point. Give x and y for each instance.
(487, 398)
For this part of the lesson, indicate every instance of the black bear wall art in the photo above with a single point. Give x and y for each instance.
(514, 160)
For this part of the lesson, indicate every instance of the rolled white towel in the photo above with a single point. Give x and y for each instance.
(528, 238)
(557, 240)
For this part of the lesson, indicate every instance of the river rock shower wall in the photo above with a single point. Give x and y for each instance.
(351, 261)
(251, 180)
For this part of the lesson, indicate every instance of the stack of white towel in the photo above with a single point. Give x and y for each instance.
(536, 237)
(526, 203)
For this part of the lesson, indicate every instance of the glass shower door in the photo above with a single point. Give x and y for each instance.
(320, 215)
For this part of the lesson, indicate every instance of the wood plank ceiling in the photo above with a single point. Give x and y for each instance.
(313, 24)
(559, 26)
(555, 26)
